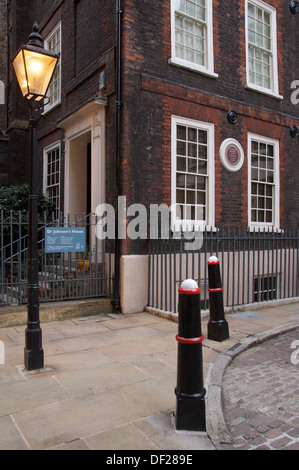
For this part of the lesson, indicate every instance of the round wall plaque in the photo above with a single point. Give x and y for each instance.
(231, 155)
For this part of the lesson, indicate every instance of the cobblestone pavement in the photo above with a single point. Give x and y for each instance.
(261, 396)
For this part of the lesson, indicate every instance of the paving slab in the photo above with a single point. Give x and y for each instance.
(11, 438)
(75, 418)
(121, 438)
(85, 382)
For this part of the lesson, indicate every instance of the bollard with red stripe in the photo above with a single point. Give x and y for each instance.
(190, 391)
(217, 325)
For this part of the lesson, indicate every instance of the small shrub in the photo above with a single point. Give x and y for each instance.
(14, 205)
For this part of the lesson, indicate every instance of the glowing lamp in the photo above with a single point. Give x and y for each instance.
(34, 67)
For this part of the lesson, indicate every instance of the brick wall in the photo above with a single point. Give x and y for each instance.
(21, 16)
(88, 37)
(3, 64)
(3, 82)
(154, 90)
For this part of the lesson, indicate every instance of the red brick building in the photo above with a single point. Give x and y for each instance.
(206, 93)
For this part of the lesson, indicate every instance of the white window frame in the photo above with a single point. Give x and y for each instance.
(57, 28)
(208, 68)
(178, 224)
(275, 224)
(274, 89)
(47, 150)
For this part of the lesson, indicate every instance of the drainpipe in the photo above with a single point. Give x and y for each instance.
(116, 301)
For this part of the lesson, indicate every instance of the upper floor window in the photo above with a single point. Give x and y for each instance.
(192, 35)
(261, 45)
(53, 44)
(263, 171)
(192, 173)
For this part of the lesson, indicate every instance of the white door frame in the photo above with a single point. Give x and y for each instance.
(88, 119)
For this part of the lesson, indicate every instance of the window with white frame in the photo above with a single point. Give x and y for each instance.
(261, 44)
(53, 44)
(52, 176)
(192, 34)
(192, 173)
(263, 170)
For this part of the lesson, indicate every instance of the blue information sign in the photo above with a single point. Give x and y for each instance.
(64, 239)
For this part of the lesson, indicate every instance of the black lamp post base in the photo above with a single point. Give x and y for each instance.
(218, 330)
(33, 351)
(190, 414)
(33, 360)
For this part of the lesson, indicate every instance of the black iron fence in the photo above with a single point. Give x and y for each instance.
(256, 266)
(62, 276)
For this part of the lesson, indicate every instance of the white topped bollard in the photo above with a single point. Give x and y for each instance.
(190, 391)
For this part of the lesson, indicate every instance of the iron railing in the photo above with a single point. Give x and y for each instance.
(256, 266)
(60, 277)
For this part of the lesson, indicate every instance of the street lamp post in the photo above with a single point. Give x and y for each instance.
(34, 67)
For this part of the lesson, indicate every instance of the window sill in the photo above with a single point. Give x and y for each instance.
(264, 228)
(50, 108)
(264, 92)
(190, 226)
(193, 68)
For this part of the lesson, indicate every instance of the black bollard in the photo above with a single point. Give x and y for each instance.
(190, 391)
(217, 325)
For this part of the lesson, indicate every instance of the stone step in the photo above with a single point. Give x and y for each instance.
(17, 315)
